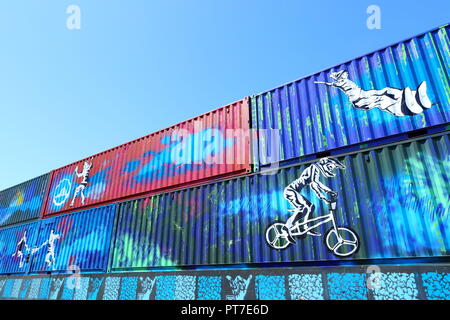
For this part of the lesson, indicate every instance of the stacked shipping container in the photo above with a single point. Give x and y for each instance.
(204, 148)
(201, 204)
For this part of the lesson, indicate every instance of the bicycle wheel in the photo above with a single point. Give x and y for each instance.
(276, 237)
(342, 243)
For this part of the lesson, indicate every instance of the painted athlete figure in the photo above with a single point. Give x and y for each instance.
(22, 249)
(50, 256)
(397, 102)
(310, 177)
(85, 180)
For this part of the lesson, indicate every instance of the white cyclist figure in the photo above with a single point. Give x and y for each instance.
(398, 102)
(310, 177)
(84, 175)
(50, 243)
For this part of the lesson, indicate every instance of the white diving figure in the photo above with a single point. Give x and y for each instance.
(85, 180)
(50, 256)
(310, 177)
(22, 250)
(397, 102)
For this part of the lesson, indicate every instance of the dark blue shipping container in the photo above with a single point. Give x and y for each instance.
(393, 91)
(16, 244)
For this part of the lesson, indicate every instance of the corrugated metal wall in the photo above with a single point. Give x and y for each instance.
(396, 199)
(9, 240)
(83, 242)
(315, 117)
(24, 201)
(203, 148)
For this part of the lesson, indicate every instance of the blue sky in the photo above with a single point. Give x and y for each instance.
(138, 66)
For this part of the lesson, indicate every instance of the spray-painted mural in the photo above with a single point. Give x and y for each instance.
(340, 240)
(352, 283)
(380, 96)
(17, 247)
(393, 202)
(24, 201)
(208, 146)
(76, 241)
(397, 102)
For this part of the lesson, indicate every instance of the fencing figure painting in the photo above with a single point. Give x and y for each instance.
(50, 243)
(340, 240)
(239, 287)
(397, 102)
(22, 250)
(84, 175)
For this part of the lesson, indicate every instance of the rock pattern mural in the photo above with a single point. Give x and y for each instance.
(409, 282)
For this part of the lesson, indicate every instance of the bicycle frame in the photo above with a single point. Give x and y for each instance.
(318, 221)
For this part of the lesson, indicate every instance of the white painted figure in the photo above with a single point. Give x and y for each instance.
(397, 102)
(84, 175)
(50, 243)
(22, 250)
(310, 177)
(239, 287)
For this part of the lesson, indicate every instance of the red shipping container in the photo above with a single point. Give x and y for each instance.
(211, 146)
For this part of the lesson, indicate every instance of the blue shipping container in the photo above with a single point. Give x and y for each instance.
(74, 242)
(392, 202)
(24, 201)
(390, 92)
(15, 247)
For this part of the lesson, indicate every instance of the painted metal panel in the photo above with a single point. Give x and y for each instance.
(204, 148)
(391, 282)
(23, 202)
(15, 247)
(371, 100)
(394, 199)
(75, 241)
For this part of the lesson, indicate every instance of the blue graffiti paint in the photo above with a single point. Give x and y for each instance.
(347, 286)
(185, 288)
(306, 286)
(181, 153)
(436, 285)
(165, 287)
(112, 287)
(209, 288)
(270, 287)
(128, 288)
(396, 286)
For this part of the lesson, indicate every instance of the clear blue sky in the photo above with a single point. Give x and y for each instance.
(137, 66)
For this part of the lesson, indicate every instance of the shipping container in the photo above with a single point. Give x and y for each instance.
(74, 242)
(16, 243)
(391, 201)
(388, 93)
(23, 202)
(204, 148)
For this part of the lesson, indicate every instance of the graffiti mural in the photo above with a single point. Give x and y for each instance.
(23, 202)
(397, 282)
(340, 240)
(84, 175)
(78, 240)
(400, 103)
(162, 160)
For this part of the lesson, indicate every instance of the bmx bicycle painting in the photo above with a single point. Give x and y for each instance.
(341, 241)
